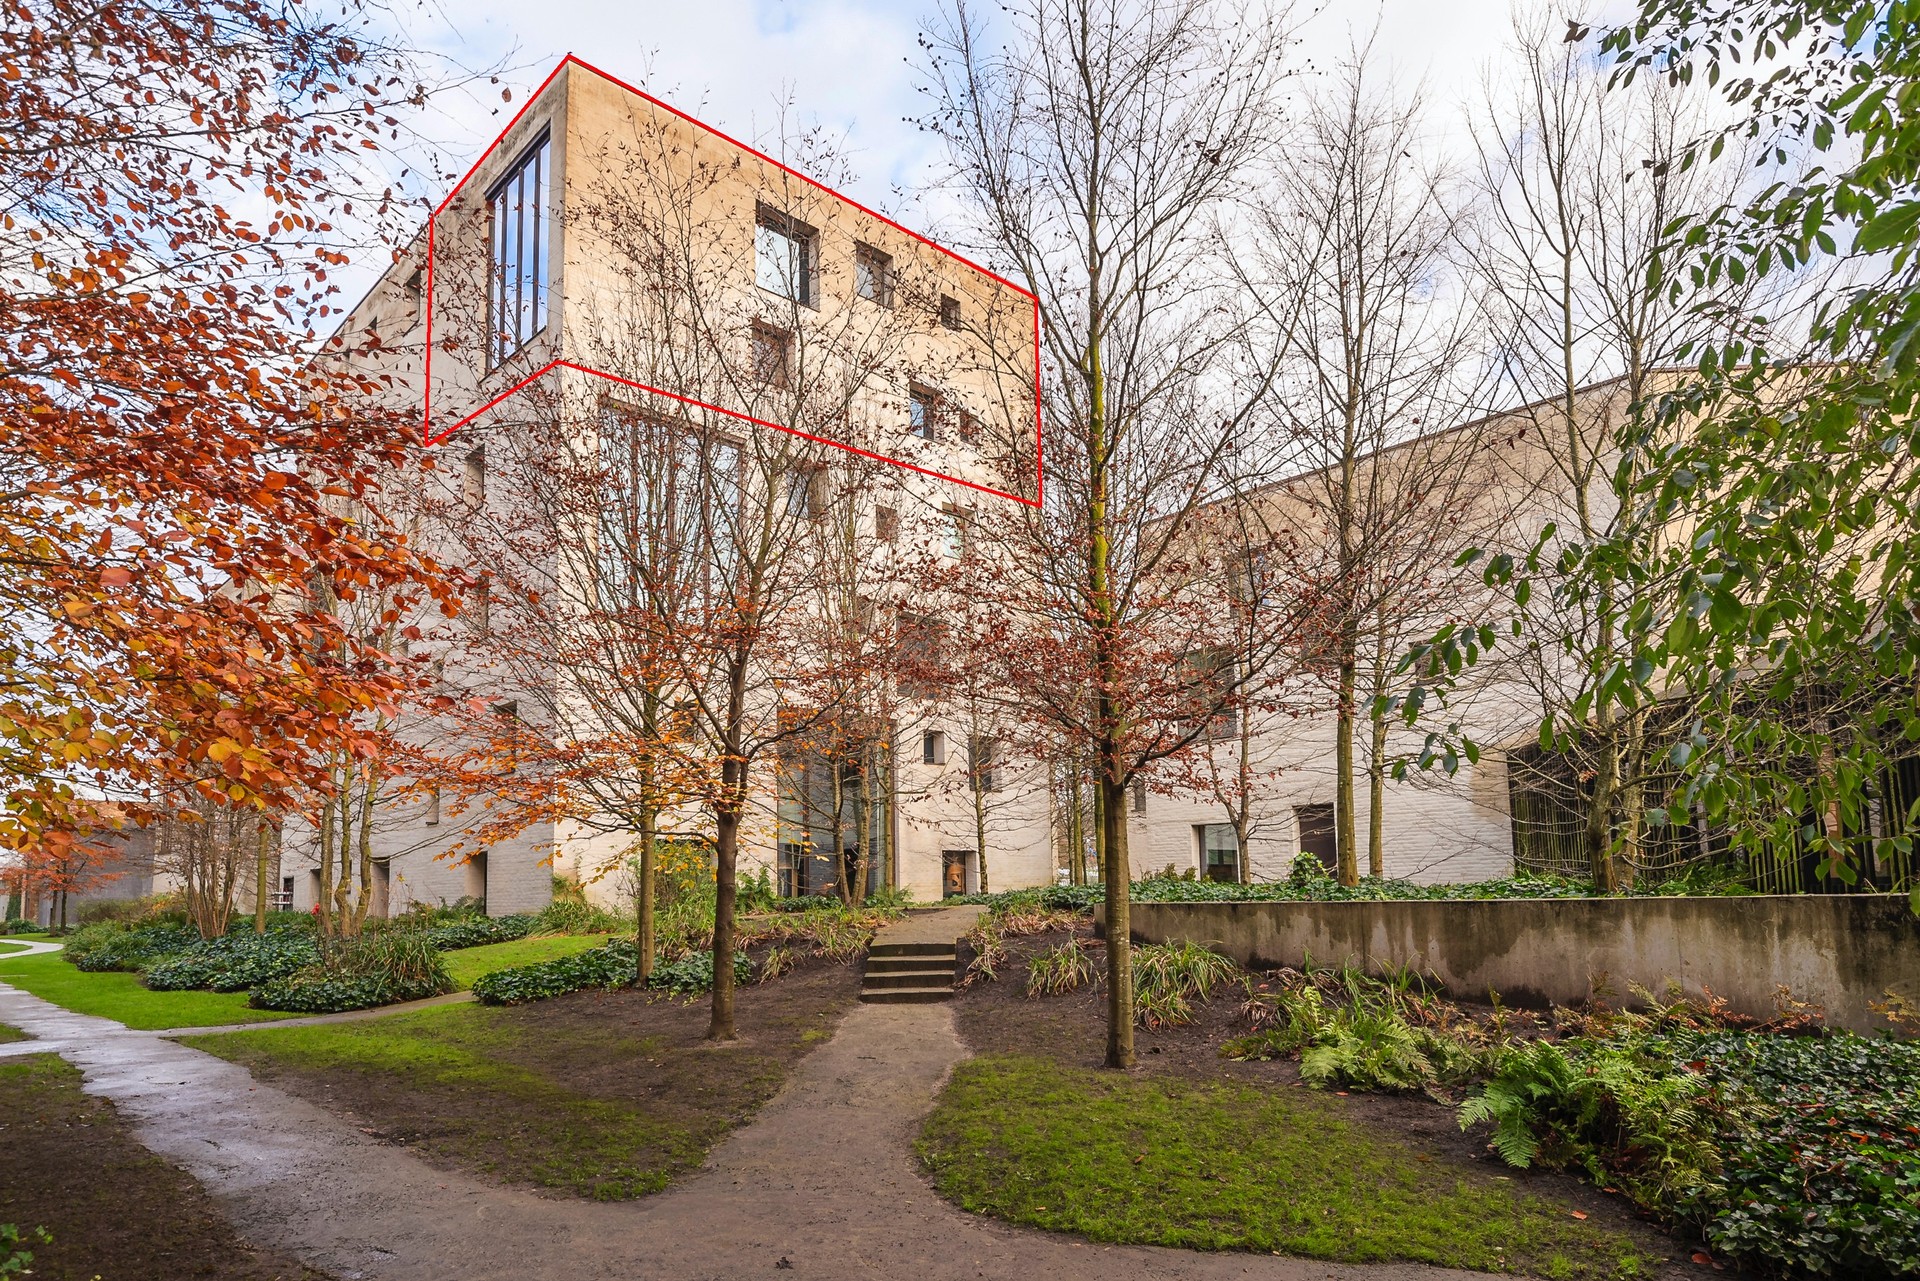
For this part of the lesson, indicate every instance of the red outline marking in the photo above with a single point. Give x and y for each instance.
(426, 420)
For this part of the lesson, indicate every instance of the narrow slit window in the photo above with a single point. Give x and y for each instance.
(518, 205)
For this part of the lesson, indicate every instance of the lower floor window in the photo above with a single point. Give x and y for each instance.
(1219, 852)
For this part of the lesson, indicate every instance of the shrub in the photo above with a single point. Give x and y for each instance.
(1060, 969)
(234, 962)
(379, 968)
(1620, 1110)
(111, 945)
(693, 974)
(564, 916)
(477, 931)
(20, 925)
(611, 965)
(1169, 977)
(130, 911)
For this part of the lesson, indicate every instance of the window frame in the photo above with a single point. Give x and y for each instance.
(872, 274)
(777, 340)
(803, 258)
(503, 345)
(926, 401)
(950, 313)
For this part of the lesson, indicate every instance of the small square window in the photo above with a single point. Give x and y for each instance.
(886, 524)
(923, 413)
(784, 256)
(949, 311)
(772, 355)
(873, 274)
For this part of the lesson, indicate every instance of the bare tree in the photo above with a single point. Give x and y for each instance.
(1093, 148)
(1580, 183)
(1350, 267)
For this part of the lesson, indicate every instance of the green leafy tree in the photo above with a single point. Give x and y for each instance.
(1789, 461)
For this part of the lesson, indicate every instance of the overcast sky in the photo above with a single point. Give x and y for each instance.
(844, 64)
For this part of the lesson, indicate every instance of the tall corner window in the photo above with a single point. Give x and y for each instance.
(1219, 852)
(783, 256)
(873, 274)
(517, 307)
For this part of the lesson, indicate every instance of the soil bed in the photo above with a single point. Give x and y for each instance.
(997, 1018)
(608, 1095)
(113, 1208)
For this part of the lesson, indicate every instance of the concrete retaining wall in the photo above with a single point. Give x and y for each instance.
(1838, 951)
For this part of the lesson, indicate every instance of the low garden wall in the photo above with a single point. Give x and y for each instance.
(1837, 951)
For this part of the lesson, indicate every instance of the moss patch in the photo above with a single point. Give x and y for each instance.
(1229, 1167)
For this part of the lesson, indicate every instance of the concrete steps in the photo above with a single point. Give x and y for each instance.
(917, 973)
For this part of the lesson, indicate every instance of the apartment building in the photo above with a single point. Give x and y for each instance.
(615, 276)
(1500, 480)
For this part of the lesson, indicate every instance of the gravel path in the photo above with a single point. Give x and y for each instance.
(822, 1184)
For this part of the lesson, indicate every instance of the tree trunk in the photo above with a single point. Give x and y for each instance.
(1606, 781)
(726, 851)
(1376, 799)
(643, 899)
(264, 839)
(1343, 808)
(1113, 852)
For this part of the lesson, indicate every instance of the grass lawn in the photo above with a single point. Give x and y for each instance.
(608, 1095)
(112, 1208)
(469, 963)
(1165, 1161)
(51, 977)
(10, 1034)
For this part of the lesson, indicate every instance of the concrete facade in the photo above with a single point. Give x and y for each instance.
(1840, 952)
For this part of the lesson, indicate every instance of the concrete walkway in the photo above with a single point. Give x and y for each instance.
(26, 947)
(823, 1183)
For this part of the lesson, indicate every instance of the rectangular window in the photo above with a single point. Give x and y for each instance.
(921, 662)
(949, 311)
(772, 355)
(886, 524)
(479, 609)
(668, 507)
(1318, 835)
(985, 753)
(517, 308)
(783, 256)
(433, 807)
(473, 481)
(967, 427)
(1219, 852)
(933, 748)
(806, 492)
(1139, 798)
(954, 536)
(873, 275)
(923, 413)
